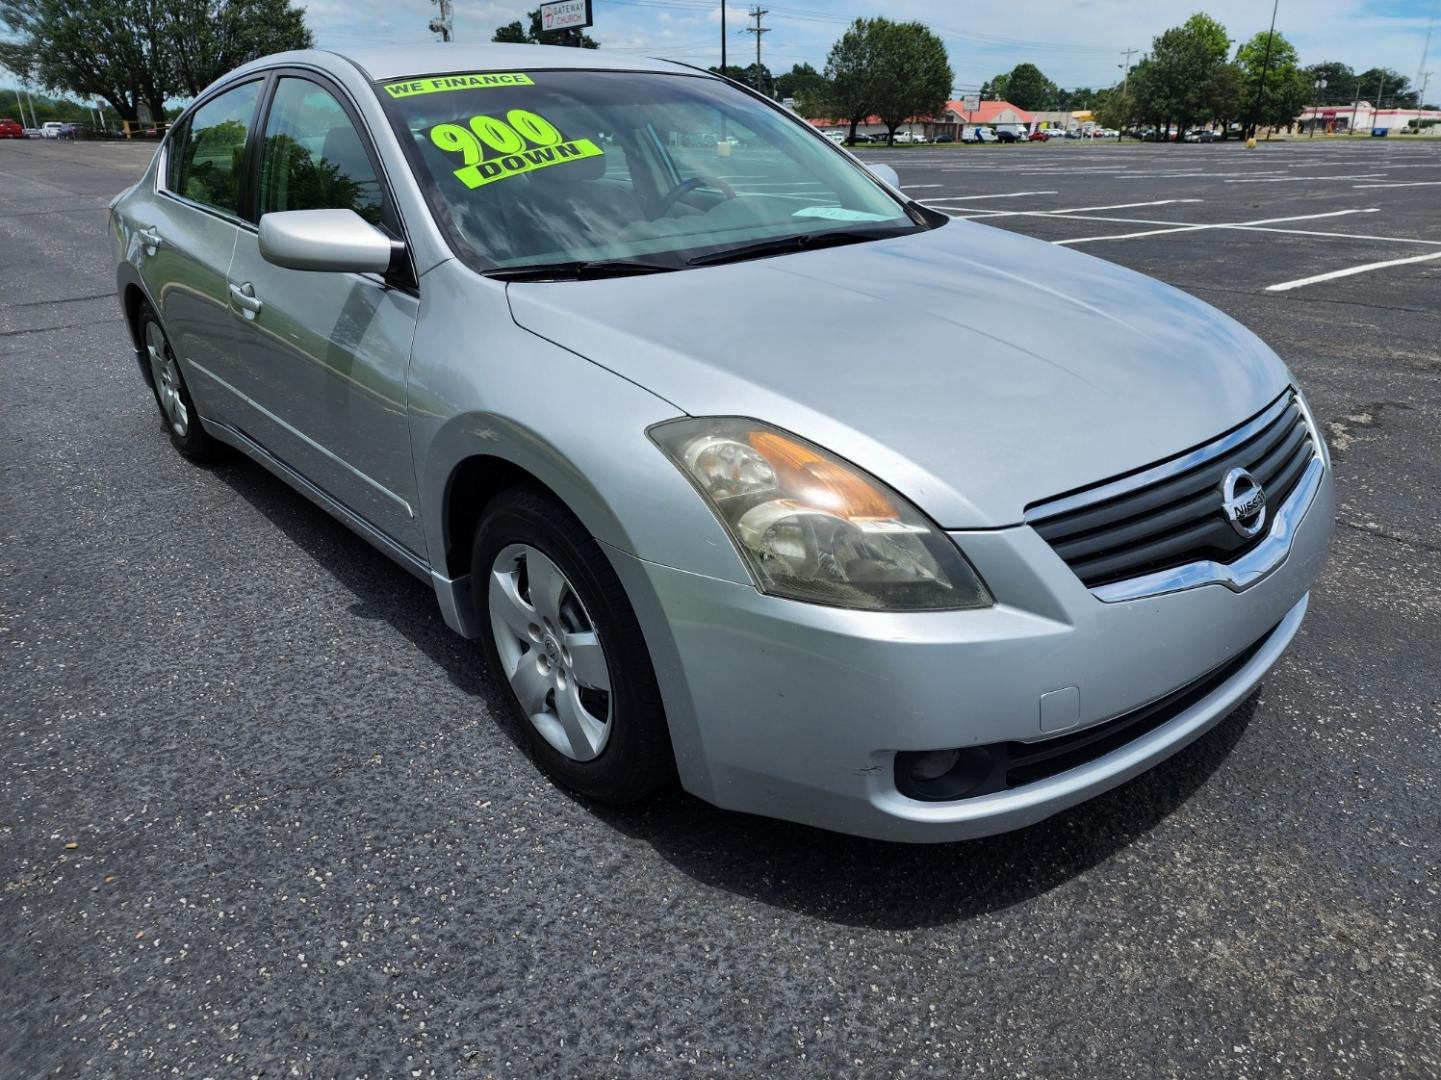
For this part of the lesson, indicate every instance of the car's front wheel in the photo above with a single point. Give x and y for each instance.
(565, 641)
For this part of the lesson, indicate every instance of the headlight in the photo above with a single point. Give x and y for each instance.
(811, 527)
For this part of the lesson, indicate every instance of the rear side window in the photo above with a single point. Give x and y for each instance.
(209, 155)
(314, 158)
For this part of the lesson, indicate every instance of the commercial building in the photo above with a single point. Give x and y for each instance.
(1362, 116)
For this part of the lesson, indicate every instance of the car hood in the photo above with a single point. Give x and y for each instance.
(973, 369)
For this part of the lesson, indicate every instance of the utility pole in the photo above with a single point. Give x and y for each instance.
(756, 13)
(444, 26)
(1265, 68)
(1425, 82)
(1355, 109)
(1126, 82)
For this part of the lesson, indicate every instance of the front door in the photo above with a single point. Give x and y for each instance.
(326, 354)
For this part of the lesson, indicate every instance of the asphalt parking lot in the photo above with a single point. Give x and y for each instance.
(260, 815)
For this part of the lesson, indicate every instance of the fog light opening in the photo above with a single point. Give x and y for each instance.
(943, 775)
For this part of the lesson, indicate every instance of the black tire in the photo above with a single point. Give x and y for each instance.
(637, 758)
(188, 438)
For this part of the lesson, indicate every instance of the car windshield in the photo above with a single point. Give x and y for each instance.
(531, 169)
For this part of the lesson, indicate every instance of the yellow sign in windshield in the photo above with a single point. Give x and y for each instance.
(523, 142)
(476, 80)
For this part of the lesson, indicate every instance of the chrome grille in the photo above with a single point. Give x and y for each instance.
(1172, 514)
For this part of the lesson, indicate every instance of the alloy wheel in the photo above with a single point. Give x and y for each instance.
(167, 379)
(550, 652)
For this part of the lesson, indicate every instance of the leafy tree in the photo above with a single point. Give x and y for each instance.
(850, 68)
(996, 89)
(1082, 97)
(912, 75)
(108, 49)
(517, 33)
(1181, 80)
(1340, 82)
(1273, 77)
(206, 38)
(810, 88)
(1394, 88)
(1027, 88)
(142, 52)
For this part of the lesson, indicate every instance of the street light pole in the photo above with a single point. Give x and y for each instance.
(1316, 108)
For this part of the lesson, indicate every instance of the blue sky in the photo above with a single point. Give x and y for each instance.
(1076, 43)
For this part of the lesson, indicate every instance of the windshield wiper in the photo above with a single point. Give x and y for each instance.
(587, 270)
(800, 242)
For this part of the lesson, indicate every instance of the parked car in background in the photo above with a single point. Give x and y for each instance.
(945, 137)
(1075, 133)
(1040, 136)
(837, 137)
(979, 135)
(910, 137)
(1030, 561)
(11, 129)
(1008, 136)
(57, 129)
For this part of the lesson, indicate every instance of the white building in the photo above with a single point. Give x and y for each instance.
(1363, 116)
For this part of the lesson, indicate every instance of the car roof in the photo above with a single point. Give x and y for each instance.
(382, 64)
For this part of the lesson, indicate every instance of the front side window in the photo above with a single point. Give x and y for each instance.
(210, 154)
(314, 158)
(538, 168)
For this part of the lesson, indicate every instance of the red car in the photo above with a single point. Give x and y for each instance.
(1040, 136)
(9, 129)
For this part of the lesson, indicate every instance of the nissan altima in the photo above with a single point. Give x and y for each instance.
(714, 439)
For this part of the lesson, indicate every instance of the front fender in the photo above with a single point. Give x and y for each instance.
(575, 426)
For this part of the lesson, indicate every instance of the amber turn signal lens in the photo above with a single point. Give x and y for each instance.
(819, 482)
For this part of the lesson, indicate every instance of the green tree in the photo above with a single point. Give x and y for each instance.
(1176, 85)
(996, 89)
(206, 38)
(1027, 88)
(108, 49)
(1384, 87)
(134, 53)
(1273, 78)
(810, 88)
(912, 75)
(1340, 82)
(850, 69)
(517, 33)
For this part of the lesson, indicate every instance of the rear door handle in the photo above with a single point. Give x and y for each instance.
(245, 299)
(150, 238)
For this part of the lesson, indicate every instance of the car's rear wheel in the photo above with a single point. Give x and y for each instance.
(177, 408)
(563, 639)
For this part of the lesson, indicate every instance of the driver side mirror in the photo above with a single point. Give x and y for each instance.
(337, 241)
(884, 173)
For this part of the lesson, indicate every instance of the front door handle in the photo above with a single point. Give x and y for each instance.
(245, 299)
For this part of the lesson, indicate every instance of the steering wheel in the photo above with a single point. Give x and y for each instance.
(671, 197)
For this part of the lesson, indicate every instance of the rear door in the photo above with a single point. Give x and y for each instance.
(325, 355)
(183, 239)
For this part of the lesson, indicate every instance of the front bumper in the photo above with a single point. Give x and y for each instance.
(797, 711)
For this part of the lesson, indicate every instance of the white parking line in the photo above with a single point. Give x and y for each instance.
(1216, 225)
(1399, 183)
(1307, 179)
(917, 187)
(1080, 209)
(1288, 285)
(973, 198)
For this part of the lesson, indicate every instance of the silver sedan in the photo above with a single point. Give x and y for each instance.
(715, 440)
